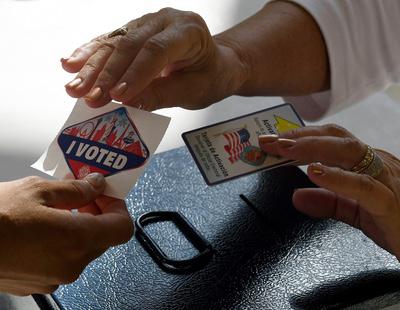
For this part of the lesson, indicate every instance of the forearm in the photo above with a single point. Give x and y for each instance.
(283, 52)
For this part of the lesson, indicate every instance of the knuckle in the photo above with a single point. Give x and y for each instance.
(366, 183)
(39, 186)
(44, 192)
(291, 133)
(340, 173)
(33, 180)
(128, 41)
(105, 48)
(137, 23)
(156, 46)
(194, 17)
(352, 145)
(167, 11)
(78, 190)
(79, 50)
(195, 30)
(97, 40)
(90, 66)
(335, 130)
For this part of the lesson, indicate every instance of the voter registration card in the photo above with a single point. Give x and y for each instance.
(230, 149)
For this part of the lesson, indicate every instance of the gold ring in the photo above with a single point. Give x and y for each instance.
(119, 32)
(371, 164)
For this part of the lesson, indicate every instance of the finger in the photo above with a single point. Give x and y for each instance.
(86, 77)
(332, 130)
(372, 195)
(91, 208)
(166, 47)
(81, 55)
(121, 58)
(114, 226)
(183, 90)
(72, 194)
(322, 149)
(322, 203)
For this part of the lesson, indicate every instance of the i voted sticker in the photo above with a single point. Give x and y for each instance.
(107, 144)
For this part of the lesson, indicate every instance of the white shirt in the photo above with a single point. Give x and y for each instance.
(363, 43)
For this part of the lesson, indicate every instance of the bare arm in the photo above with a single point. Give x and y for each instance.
(284, 51)
(169, 58)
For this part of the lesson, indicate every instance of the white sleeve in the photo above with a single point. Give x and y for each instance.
(363, 43)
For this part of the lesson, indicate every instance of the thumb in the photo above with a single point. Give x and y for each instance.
(72, 194)
(322, 203)
(114, 224)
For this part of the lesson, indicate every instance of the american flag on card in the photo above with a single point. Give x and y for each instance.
(238, 140)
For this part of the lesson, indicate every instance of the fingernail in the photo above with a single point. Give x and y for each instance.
(94, 94)
(264, 139)
(96, 180)
(286, 143)
(120, 89)
(317, 169)
(74, 83)
(64, 59)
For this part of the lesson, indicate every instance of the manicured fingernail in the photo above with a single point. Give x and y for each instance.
(120, 89)
(264, 139)
(74, 83)
(285, 143)
(96, 180)
(94, 94)
(317, 169)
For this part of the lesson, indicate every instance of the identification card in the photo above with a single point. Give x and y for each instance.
(230, 149)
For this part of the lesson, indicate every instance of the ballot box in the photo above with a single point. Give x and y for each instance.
(265, 255)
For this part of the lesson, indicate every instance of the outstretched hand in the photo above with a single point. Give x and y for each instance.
(43, 243)
(370, 204)
(165, 59)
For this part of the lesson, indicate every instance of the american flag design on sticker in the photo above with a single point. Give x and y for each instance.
(237, 140)
(107, 144)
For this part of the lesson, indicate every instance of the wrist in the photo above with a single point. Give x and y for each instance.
(234, 64)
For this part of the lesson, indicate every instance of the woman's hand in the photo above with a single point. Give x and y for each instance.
(370, 204)
(43, 243)
(165, 59)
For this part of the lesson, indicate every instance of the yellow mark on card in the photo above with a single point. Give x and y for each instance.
(283, 125)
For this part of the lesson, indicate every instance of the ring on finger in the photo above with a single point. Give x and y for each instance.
(371, 164)
(119, 32)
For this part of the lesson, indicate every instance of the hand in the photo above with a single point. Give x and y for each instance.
(372, 205)
(166, 59)
(43, 243)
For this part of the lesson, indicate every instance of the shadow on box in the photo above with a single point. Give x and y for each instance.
(265, 226)
(255, 238)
